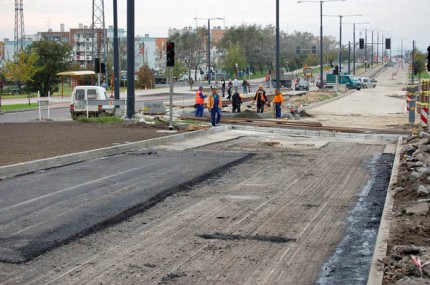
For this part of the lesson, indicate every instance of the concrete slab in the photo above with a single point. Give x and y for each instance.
(43, 210)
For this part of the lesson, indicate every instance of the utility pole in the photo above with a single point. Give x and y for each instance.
(99, 38)
(19, 27)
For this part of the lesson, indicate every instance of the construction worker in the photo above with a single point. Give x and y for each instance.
(200, 101)
(214, 106)
(236, 101)
(260, 96)
(278, 100)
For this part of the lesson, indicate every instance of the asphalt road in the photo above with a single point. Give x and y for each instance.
(42, 210)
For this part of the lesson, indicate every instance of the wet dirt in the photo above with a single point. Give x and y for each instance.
(352, 258)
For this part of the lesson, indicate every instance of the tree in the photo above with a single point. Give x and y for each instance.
(145, 78)
(53, 58)
(23, 70)
(419, 62)
(233, 56)
(190, 49)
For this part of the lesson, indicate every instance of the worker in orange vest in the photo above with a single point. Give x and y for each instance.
(200, 101)
(214, 106)
(278, 100)
(260, 96)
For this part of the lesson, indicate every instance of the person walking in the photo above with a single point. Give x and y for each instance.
(214, 106)
(191, 82)
(230, 86)
(245, 86)
(200, 101)
(223, 87)
(260, 96)
(236, 101)
(278, 100)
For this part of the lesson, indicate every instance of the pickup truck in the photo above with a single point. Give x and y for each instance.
(350, 81)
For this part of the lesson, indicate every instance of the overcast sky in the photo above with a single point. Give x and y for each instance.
(398, 19)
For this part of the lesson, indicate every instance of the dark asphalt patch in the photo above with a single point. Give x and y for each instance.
(350, 263)
(44, 210)
(220, 236)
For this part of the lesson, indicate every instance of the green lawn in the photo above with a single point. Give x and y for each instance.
(18, 106)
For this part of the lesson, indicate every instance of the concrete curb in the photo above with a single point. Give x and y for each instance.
(376, 272)
(10, 171)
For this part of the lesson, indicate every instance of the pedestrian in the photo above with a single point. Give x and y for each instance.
(235, 83)
(214, 106)
(104, 84)
(223, 87)
(245, 86)
(200, 83)
(230, 86)
(267, 79)
(260, 96)
(200, 101)
(191, 82)
(236, 101)
(278, 100)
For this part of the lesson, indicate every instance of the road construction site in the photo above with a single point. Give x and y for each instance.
(236, 204)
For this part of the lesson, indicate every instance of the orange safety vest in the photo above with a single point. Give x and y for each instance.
(278, 98)
(199, 100)
(262, 97)
(211, 102)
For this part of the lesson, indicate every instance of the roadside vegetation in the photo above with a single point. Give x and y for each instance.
(101, 119)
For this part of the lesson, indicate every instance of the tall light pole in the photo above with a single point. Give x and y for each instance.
(278, 73)
(354, 43)
(321, 36)
(340, 36)
(209, 44)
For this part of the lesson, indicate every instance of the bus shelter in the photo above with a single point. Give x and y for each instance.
(77, 78)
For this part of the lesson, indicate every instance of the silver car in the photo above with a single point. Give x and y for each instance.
(302, 85)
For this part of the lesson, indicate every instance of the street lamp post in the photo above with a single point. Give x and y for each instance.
(209, 44)
(340, 36)
(321, 36)
(354, 43)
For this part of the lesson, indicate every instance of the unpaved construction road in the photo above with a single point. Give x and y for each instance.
(273, 219)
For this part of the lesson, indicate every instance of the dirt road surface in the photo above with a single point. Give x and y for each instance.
(273, 219)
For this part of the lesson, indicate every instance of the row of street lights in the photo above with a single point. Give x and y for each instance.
(321, 40)
(321, 35)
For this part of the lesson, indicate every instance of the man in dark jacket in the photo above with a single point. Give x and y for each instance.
(260, 96)
(236, 101)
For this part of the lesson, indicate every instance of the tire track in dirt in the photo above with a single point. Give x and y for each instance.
(305, 198)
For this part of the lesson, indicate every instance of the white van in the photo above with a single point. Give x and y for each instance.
(367, 82)
(82, 95)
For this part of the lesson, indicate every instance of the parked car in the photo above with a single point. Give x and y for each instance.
(367, 82)
(80, 102)
(302, 85)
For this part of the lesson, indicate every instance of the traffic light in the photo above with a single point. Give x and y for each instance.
(102, 67)
(170, 54)
(387, 43)
(97, 65)
(297, 50)
(361, 43)
(314, 49)
(428, 58)
(336, 70)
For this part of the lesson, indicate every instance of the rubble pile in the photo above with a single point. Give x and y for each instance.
(408, 256)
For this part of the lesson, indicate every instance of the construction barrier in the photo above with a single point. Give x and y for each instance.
(424, 116)
(408, 101)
